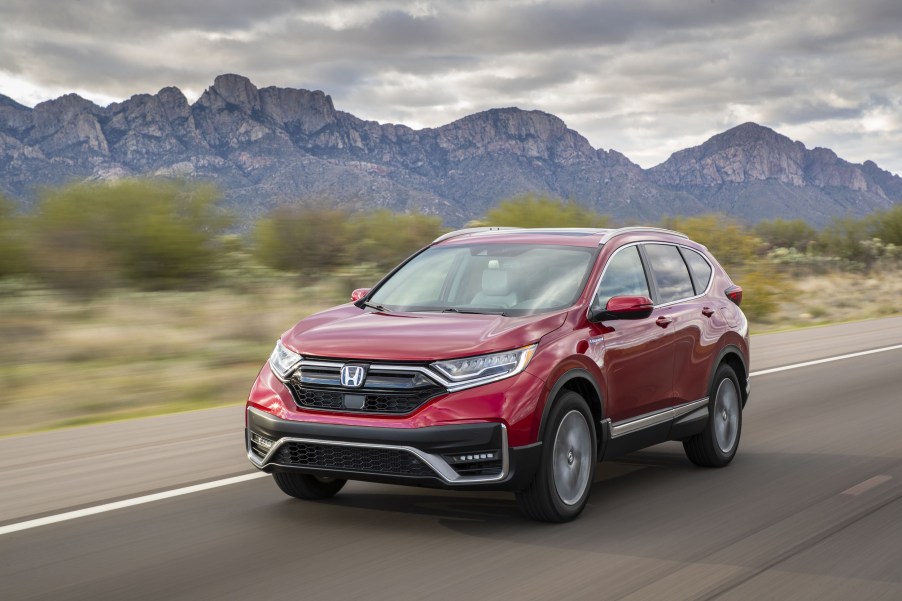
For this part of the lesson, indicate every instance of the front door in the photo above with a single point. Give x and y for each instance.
(636, 360)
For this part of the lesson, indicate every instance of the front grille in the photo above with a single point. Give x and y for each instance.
(384, 390)
(355, 459)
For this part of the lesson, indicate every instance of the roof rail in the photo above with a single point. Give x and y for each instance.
(471, 230)
(638, 229)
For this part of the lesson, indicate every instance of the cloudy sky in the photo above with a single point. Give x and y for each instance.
(645, 77)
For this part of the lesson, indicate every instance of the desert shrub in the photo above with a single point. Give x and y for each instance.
(305, 240)
(843, 238)
(542, 211)
(147, 233)
(782, 233)
(731, 243)
(12, 247)
(763, 287)
(385, 239)
(887, 226)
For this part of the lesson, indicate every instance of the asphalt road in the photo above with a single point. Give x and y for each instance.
(810, 508)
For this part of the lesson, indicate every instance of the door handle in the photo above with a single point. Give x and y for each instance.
(707, 311)
(663, 321)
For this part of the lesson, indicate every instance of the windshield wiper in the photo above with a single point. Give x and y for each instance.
(376, 306)
(454, 310)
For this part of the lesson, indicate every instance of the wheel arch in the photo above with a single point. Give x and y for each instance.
(731, 355)
(582, 382)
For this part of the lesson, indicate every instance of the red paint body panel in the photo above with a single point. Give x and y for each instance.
(638, 365)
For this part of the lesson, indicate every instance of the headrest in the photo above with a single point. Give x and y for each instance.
(494, 282)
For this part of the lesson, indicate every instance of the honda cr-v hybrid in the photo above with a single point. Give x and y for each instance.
(509, 359)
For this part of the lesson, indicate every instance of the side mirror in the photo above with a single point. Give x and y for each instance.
(625, 307)
(359, 293)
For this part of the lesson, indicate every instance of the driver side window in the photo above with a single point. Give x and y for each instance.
(623, 275)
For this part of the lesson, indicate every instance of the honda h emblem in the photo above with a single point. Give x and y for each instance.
(352, 376)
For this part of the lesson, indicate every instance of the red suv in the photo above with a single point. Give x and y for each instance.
(509, 359)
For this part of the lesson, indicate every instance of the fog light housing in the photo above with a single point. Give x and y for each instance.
(260, 445)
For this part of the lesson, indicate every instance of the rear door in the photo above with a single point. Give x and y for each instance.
(681, 316)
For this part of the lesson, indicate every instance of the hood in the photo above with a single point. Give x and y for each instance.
(347, 332)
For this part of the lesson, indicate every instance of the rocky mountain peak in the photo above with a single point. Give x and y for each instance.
(6, 101)
(234, 90)
(300, 110)
(532, 134)
(745, 153)
(272, 145)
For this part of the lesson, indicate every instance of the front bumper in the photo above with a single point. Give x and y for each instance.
(470, 455)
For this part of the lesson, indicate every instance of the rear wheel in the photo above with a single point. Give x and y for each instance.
(305, 486)
(716, 445)
(563, 481)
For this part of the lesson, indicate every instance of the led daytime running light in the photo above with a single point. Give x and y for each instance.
(493, 366)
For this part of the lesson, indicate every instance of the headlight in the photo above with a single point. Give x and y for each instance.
(486, 368)
(283, 361)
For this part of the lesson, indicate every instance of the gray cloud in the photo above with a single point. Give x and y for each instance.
(645, 77)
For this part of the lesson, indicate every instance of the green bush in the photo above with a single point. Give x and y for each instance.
(12, 247)
(731, 243)
(782, 233)
(887, 225)
(147, 233)
(542, 211)
(309, 241)
(385, 238)
(762, 288)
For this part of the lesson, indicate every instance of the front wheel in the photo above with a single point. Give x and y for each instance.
(716, 445)
(563, 481)
(305, 486)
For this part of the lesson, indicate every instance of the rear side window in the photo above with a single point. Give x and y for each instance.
(699, 268)
(671, 276)
(623, 275)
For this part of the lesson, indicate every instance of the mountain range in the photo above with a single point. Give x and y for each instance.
(270, 146)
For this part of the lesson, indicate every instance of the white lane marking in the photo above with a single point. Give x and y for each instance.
(80, 513)
(187, 490)
(863, 487)
(773, 370)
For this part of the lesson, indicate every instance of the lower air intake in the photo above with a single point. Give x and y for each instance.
(352, 459)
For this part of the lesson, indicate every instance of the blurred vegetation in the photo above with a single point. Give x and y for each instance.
(153, 235)
(145, 296)
(12, 244)
(530, 210)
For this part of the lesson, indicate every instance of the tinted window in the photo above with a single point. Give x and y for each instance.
(672, 279)
(699, 268)
(623, 275)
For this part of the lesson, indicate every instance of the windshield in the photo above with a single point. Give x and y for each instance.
(508, 279)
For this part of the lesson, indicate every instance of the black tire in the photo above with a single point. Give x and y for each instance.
(716, 445)
(305, 486)
(543, 500)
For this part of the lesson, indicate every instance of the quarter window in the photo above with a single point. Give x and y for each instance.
(672, 280)
(699, 268)
(623, 275)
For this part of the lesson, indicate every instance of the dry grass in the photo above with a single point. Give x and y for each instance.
(835, 298)
(132, 354)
